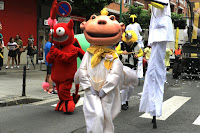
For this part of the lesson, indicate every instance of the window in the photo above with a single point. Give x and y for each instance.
(117, 1)
(172, 8)
(180, 11)
(127, 2)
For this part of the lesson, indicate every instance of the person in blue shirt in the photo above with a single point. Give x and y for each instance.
(48, 76)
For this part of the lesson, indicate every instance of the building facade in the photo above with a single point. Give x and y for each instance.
(177, 6)
(25, 17)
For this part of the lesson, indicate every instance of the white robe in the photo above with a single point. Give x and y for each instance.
(161, 28)
(160, 33)
(130, 82)
(153, 89)
(99, 112)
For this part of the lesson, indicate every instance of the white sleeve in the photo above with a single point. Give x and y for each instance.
(114, 76)
(83, 74)
(127, 27)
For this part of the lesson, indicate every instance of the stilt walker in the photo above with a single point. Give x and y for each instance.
(160, 32)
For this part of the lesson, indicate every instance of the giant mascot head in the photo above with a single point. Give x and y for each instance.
(102, 29)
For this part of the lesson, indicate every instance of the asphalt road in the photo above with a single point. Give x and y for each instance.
(41, 118)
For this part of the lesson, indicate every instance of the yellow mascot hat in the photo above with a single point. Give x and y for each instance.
(129, 36)
(133, 17)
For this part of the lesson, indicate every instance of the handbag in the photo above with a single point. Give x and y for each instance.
(34, 51)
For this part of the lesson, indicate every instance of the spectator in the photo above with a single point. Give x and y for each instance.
(147, 52)
(11, 46)
(20, 49)
(30, 55)
(178, 54)
(48, 76)
(1, 54)
(167, 61)
(1, 47)
(31, 38)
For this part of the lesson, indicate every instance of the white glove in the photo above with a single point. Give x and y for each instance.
(94, 92)
(102, 94)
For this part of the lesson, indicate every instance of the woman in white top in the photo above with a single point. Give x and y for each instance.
(11, 46)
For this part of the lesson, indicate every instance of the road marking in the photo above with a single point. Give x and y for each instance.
(197, 121)
(169, 107)
(45, 101)
(80, 102)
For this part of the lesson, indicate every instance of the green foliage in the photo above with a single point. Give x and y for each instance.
(88, 7)
(142, 15)
(176, 16)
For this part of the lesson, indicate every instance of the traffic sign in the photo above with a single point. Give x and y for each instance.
(64, 9)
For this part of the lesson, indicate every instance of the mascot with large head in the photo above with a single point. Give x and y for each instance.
(63, 57)
(100, 72)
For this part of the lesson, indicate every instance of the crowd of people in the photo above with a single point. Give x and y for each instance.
(15, 48)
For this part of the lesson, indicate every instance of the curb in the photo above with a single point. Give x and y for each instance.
(18, 100)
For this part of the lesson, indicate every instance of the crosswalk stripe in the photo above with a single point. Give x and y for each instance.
(197, 121)
(169, 107)
(80, 102)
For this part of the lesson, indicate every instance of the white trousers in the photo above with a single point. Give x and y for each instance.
(126, 93)
(30, 57)
(98, 112)
(153, 89)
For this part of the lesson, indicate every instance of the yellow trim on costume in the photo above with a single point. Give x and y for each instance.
(150, 6)
(133, 17)
(104, 12)
(140, 53)
(99, 52)
(118, 49)
(177, 36)
(157, 5)
(1, 55)
(194, 55)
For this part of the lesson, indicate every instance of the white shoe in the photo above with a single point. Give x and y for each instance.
(17, 66)
(6, 67)
(11, 67)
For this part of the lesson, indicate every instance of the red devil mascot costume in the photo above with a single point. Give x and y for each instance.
(63, 57)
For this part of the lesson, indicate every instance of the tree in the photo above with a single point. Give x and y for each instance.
(88, 7)
(142, 15)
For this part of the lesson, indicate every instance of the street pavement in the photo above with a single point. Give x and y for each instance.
(181, 110)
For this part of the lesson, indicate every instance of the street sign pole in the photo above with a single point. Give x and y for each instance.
(120, 17)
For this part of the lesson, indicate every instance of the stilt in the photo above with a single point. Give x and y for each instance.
(127, 104)
(154, 122)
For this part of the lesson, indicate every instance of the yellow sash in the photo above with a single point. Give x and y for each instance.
(99, 52)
